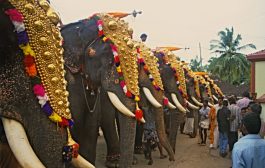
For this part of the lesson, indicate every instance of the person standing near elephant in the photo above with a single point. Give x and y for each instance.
(214, 134)
(204, 122)
(223, 119)
(150, 136)
(234, 123)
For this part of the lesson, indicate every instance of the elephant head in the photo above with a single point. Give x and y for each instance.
(28, 35)
(100, 47)
(216, 91)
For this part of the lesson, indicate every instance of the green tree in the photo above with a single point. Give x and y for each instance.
(196, 64)
(230, 64)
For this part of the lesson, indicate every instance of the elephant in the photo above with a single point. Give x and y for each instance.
(35, 141)
(82, 37)
(168, 62)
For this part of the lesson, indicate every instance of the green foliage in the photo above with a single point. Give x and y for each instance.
(196, 64)
(230, 64)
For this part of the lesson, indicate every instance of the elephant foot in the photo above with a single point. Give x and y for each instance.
(163, 156)
(112, 161)
(150, 162)
(112, 164)
(171, 158)
(135, 161)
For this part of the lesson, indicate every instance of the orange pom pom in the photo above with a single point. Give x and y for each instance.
(32, 71)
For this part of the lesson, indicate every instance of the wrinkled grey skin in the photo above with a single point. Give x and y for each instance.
(18, 102)
(174, 117)
(100, 68)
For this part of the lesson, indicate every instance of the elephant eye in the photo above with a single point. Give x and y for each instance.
(91, 52)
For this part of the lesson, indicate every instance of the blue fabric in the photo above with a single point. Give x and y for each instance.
(249, 152)
(223, 141)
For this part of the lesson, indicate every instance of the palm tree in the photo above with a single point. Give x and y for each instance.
(230, 64)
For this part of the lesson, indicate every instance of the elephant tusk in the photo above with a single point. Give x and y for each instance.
(80, 162)
(196, 101)
(210, 104)
(171, 106)
(193, 106)
(19, 144)
(151, 98)
(177, 103)
(119, 105)
(142, 120)
(215, 98)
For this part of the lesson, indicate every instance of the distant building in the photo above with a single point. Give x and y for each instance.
(257, 83)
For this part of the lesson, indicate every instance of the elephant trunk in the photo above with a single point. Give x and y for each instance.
(19, 144)
(160, 127)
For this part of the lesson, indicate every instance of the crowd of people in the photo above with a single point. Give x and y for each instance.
(235, 126)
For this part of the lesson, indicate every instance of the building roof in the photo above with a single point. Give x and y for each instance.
(261, 99)
(229, 89)
(257, 56)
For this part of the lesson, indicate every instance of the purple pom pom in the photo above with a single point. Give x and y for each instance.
(22, 37)
(47, 109)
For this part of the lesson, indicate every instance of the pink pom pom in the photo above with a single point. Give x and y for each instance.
(39, 90)
(14, 15)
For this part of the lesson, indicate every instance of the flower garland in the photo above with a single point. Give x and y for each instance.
(180, 89)
(71, 149)
(196, 82)
(31, 68)
(150, 76)
(114, 48)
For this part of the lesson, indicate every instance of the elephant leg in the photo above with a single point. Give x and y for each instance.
(127, 137)
(173, 129)
(109, 129)
(195, 124)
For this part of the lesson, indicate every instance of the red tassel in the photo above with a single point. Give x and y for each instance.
(138, 114)
(75, 150)
(165, 101)
(128, 94)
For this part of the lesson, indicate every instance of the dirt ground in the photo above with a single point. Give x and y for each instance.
(188, 155)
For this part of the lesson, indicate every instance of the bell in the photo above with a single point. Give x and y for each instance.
(130, 30)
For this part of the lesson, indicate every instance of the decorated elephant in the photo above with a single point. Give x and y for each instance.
(174, 81)
(114, 70)
(34, 107)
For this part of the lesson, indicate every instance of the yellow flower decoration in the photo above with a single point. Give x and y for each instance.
(27, 50)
